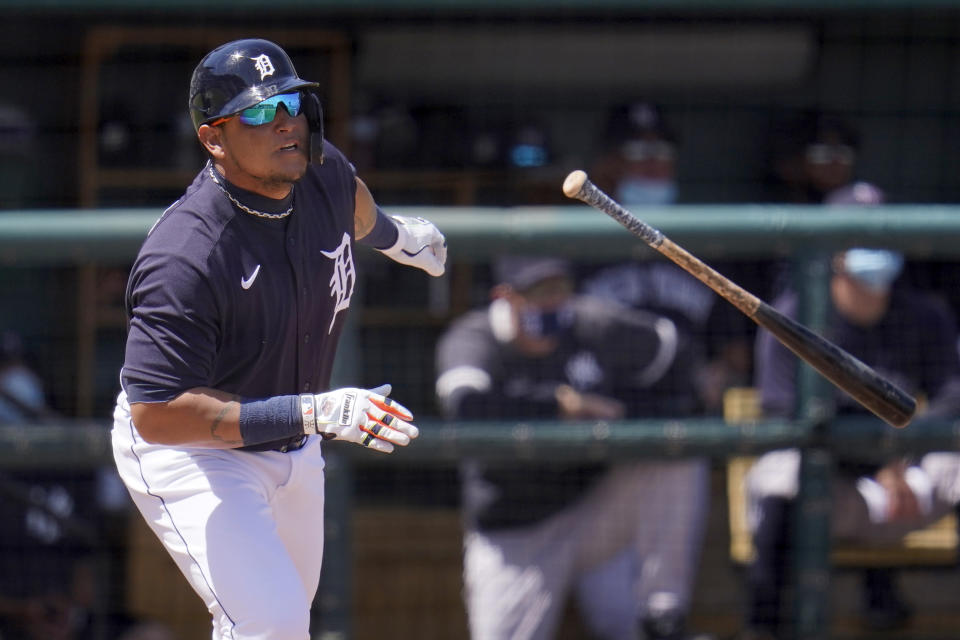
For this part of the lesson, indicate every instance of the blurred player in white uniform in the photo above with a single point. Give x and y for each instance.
(626, 537)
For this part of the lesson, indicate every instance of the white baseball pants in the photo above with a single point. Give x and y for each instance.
(245, 528)
(637, 532)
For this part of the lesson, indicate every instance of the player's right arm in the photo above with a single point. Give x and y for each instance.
(200, 417)
(208, 418)
(176, 307)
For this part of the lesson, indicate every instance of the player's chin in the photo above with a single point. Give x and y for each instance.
(291, 165)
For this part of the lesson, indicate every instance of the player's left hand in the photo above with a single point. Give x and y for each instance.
(419, 244)
(364, 416)
(574, 405)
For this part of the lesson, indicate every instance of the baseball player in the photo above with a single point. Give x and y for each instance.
(625, 538)
(235, 304)
(910, 337)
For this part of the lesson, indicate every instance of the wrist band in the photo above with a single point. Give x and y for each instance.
(276, 418)
(384, 233)
(308, 413)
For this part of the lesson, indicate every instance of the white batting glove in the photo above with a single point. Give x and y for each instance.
(364, 416)
(419, 244)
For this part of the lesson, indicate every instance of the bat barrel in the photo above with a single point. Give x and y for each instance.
(887, 401)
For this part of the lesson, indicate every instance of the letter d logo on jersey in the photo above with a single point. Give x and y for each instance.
(347, 408)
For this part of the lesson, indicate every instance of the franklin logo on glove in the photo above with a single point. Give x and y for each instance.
(346, 411)
(364, 416)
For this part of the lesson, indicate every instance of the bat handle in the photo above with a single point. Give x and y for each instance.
(577, 185)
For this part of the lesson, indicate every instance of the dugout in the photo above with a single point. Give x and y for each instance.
(91, 152)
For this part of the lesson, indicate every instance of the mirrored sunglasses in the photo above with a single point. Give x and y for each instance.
(264, 112)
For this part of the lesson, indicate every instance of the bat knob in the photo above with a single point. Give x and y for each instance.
(574, 182)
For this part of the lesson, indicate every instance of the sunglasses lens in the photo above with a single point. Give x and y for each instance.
(266, 111)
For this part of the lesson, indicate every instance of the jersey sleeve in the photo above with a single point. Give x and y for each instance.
(648, 360)
(471, 371)
(466, 366)
(172, 329)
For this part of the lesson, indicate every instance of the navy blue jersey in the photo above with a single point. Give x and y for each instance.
(221, 298)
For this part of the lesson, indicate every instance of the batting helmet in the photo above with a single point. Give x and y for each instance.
(239, 74)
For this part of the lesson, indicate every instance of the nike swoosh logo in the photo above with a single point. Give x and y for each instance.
(246, 282)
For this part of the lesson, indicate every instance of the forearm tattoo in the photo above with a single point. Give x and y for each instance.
(215, 427)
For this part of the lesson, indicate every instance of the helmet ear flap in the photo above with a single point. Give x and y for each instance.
(316, 147)
(314, 112)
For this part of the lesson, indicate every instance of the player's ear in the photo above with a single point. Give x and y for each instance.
(212, 140)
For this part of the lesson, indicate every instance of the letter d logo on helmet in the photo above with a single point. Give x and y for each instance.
(239, 74)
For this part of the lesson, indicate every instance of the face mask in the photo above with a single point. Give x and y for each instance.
(646, 191)
(876, 268)
(546, 324)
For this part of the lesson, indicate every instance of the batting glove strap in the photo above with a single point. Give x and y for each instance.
(419, 244)
(366, 417)
(308, 413)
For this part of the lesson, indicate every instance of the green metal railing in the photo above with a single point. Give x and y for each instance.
(803, 234)
(59, 237)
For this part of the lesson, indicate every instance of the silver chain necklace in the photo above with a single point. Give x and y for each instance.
(243, 207)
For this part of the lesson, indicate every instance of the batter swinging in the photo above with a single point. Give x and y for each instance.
(235, 305)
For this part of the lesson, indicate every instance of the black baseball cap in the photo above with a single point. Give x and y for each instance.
(524, 272)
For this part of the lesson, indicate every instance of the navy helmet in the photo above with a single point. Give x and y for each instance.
(239, 74)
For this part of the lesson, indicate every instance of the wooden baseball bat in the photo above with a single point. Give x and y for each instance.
(879, 395)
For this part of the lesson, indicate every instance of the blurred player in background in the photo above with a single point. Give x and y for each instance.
(909, 338)
(23, 398)
(814, 161)
(639, 163)
(813, 154)
(640, 169)
(626, 537)
(236, 303)
(46, 536)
